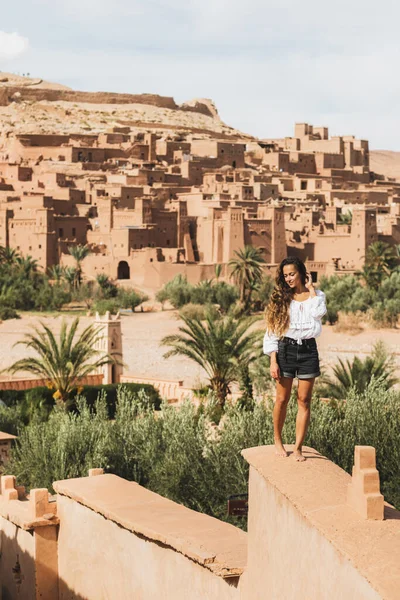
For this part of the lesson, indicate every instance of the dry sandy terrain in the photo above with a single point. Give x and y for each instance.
(60, 117)
(143, 356)
(386, 163)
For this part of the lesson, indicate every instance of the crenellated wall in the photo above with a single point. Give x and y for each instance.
(314, 533)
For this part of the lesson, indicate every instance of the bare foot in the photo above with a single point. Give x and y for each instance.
(280, 450)
(298, 455)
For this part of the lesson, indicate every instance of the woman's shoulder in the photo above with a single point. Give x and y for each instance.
(320, 293)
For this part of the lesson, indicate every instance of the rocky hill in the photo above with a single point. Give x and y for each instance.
(33, 105)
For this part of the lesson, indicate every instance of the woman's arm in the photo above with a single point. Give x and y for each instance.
(318, 305)
(270, 347)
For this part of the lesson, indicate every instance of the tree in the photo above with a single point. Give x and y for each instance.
(345, 218)
(70, 276)
(380, 260)
(56, 273)
(79, 253)
(27, 265)
(8, 255)
(247, 271)
(216, 344)
(359, 373)
(64, 362)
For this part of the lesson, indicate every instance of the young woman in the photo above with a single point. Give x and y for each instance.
(293, 318)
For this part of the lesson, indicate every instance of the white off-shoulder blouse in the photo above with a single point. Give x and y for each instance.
(305, 322)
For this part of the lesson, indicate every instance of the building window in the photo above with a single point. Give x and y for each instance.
(61, 232)
(73, 232)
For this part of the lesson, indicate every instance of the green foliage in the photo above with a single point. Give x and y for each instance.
(10, 419)
(359, 373)
(65, 361)
(107, 288)
(8, 313)
(112, 305)
(262, 292)
(246, 270)
(179, 293)
(110, 393)
(66, 445)
(129, 298)
(23, 287)
(381, 299)
(79, 253)
(218, 345)
(180, 454)
(345, 218)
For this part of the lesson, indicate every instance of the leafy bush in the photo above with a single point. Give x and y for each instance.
(110, 393)
(10, 419)
(129, 298)
(179, 293)
(181, 455)
(8, 313)
(111, 305)
(40, 399)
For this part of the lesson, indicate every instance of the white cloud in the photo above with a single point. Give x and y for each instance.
(12, 45)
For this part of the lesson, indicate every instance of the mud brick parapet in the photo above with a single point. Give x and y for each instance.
(94, 472)
(363, 493)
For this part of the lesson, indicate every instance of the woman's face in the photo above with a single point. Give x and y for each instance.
(291, 276)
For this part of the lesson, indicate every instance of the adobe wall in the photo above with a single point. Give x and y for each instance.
(306, 541)
(118, 540)
(17, 548)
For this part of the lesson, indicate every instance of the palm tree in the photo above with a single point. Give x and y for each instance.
(70, 276)
(218, 271)
(358, 373)
(56, 272)
(247, 271)
(216, 344)
(79, 253)
(346, 218)
(64, 362)
(27, 265)
(381, 256)
(8, 255)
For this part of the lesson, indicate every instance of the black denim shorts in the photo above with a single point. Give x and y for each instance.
(298, 360)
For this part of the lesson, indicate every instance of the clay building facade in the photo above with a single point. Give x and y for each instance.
(139, 198)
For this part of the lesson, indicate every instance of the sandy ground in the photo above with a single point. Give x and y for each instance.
(386, 163)
(143, 355)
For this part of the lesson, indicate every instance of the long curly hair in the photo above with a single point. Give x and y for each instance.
(277, 312)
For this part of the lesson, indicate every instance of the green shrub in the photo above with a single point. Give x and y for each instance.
(180, 454)
(8, 313)
(129, 298)
(110, 392)
(112, 305)
(10, 419)
(193, 311)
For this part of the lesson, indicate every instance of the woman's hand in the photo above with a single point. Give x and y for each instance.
(310, 286)
(274, 369)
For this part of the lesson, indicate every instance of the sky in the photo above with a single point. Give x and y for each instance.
(266, 65)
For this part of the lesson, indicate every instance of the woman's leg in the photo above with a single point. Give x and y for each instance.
(283, 389)
(304, 394)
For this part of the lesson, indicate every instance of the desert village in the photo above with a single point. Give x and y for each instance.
(152, 205)
(153, 201)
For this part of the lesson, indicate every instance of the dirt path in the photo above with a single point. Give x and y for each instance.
(143, 356)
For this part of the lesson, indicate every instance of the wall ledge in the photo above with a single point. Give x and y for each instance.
(317, 488)
(213, 544)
